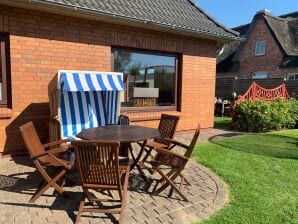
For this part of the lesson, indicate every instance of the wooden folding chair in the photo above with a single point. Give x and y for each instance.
(58, 157)
(99, 168)
(167, 127)
(176, 162)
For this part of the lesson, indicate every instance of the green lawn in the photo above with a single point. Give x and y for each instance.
(222, 122)
(261, 171)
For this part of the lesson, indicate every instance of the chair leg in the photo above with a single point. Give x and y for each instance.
(163, 181)
(168, 182)
(136, 161)
(89, 196)
(131, 152)
(53, 183)
(81, 208)
(148, 153)
(47, 184)
(123, 204)
(39, 192)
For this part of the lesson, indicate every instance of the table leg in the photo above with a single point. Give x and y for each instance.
(123, 151)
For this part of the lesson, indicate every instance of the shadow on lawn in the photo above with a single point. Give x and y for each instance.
(271, 145)
(223, 136)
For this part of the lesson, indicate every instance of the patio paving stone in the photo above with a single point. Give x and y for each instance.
(207, 194)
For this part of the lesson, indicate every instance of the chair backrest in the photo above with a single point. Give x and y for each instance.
(193, 143)
(167, 127)
(31, 140)
(98, 162)
(123, 120)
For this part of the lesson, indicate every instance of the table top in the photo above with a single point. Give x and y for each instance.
(119, 133)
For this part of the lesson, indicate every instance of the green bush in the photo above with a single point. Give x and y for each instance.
(262, 116)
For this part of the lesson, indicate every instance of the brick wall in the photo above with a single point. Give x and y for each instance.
(42, 43)
(269, 62)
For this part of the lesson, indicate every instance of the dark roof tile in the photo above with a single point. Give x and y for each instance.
(286, 33)
(183, 14)
(289, 62)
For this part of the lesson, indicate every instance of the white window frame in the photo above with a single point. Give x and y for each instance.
(260, 48)
(292, 74)
(259, 75)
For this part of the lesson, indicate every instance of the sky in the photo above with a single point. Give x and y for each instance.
(232, 13)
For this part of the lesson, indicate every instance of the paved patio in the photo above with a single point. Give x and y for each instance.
(18, 181)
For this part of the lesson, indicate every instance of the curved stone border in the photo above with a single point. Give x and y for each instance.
(219, 201)
(207, 194)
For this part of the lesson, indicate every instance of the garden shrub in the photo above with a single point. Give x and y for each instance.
(261, 116)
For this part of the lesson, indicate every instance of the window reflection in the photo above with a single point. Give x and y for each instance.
(149, 78)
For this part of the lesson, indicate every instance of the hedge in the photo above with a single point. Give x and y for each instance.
(262, 116)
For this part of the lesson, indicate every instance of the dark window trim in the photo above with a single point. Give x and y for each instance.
(5, 61)
(178, 72)
(144, 50)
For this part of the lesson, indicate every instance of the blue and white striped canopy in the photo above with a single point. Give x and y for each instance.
(88, 99)
(72, 81)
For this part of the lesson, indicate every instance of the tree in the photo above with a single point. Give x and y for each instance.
(121, 61)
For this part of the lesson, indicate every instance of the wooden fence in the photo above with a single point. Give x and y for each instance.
(225, 86)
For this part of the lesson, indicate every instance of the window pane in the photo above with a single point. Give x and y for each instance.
(291, 77)
(149, 78)
(260, 48)
(260, 75)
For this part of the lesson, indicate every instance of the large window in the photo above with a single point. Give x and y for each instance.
(260, 48)
(150, 78)
(4, 70)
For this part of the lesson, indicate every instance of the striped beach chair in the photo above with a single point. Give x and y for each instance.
(80, 100)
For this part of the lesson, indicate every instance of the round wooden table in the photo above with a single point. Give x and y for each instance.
(119, 133)
(125, 134)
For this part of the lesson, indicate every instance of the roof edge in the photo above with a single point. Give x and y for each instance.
(282, 17)
(77, 11)
(240, 26)
(213, 19)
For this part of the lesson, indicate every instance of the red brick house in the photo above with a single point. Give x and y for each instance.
(176, 38)
(269, 51)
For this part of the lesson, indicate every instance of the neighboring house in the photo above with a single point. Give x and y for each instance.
(38, 38)
(269, 51)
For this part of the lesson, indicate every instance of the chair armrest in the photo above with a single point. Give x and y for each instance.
(39, 155)
(50, 152)
(64, 164)
(170, 153)
(56, 143)
(57, 150)
(175, 142)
